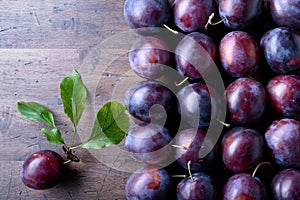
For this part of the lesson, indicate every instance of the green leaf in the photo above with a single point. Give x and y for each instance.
(35, 111)
(53, 136)
(110, 126)
(73, 94)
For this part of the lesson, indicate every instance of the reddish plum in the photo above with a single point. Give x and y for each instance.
(239, 54)
(149, 56)
(150, 182)
(244, 186)
(42, 170)
(192, 15)
(195, 55)
(242, 149)
(246, 99)
(284, 94)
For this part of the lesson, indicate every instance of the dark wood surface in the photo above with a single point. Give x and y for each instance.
(41, 41)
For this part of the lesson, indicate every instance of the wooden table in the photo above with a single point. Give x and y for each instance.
(41, 41)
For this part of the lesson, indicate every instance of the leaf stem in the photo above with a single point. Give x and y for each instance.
(73, 136)
(75, 147)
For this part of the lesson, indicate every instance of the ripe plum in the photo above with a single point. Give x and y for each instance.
(283, 140)
(148, 143)
(198, 187)
(239, 13)
(142, 99)
(150, 182)
(239, 54)
(284, 94)
(192, 15)
(145, 16)
(281, 48)
(195, 55)
(149, 56)
(42, 170)
(242, 149)
(246, 99)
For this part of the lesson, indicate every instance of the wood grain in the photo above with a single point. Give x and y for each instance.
(41, 41)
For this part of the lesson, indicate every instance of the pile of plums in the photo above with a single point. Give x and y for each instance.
(255, 46)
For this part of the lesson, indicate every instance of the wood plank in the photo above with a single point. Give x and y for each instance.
(60, 24)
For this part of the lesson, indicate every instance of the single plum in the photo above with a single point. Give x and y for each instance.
(190, 147)
(284, 93)
(148, 143)
(42, 170)
(285, 13)
(246, 99)
(150, 183)
(286, 185)
(281, 48)
(240, 13)
(283, 140)
(195, 55)
(149, 101)
(149, 56)
(192, 15)
(244, 186)
(145, 16)
(242, 149)
(198, 187)
(239, 54)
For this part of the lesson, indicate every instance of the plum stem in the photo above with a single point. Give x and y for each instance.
(224, 124)
(179, 176)
(209, 21)
(258, 166)
(179, 147)
(184, 80)
(189, 169)
(169, 29)
(67, 162)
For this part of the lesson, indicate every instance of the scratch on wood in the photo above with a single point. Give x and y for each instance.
(7, 29)
(103, 183)
(20, 194)
(5, 119)
(90, 191)
(28, 63)
(9, 187)
(36, 17)
(18, 136)
(70, 195)
(33, 145)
